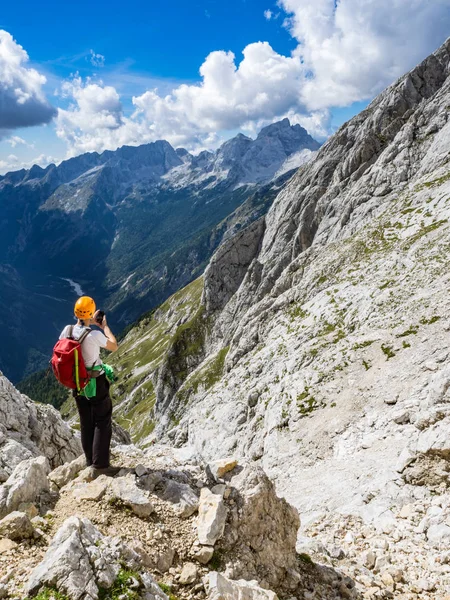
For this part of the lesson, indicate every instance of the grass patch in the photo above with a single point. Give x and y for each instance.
(167, 589)
(306, 403)
(422, 232)
(306, 558)
(406, 344)
(361, 345)
(297, 312)
(139, 418)
(207, 377)
(410, 331)
(187, 346)
(340, 334)
(47, 593)
(433, 183)
(429, 321)
(121, 589)
(387, 351)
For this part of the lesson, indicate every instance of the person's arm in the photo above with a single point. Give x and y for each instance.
(111, 344)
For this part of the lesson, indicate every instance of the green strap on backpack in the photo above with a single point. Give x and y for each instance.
(90, 391)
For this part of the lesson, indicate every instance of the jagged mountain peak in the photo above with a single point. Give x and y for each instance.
(276, 127)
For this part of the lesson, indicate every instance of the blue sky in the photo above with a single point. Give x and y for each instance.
(130, 72)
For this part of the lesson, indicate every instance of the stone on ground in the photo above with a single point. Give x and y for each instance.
(219, 468)
(94, 491)
(126, 491)
(185, 501)
(204, 554)
(212, 515)
(16, 526)
(6, 545)
(222, 588)
(164, 560)
(261, 531)
(65, 473)
(189, 574)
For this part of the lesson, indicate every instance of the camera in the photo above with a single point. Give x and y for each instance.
(99, 317)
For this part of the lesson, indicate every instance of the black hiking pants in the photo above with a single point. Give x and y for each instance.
(96, 424)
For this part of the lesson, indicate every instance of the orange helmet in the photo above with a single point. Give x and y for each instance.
(84, 308)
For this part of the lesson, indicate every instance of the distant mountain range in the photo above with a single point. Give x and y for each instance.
(129, 227)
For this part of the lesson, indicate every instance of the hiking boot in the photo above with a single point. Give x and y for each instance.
(108, 471)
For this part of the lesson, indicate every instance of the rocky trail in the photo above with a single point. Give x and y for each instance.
(165, 526)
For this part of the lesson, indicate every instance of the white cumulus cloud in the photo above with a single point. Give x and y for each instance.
(268, 14)
(22, 100)
(352, 49)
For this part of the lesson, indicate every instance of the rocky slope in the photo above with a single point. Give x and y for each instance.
(167, 526)
(129, 227)
(320, 345)
(29, 430)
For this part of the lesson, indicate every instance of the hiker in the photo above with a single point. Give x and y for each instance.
(93, 401)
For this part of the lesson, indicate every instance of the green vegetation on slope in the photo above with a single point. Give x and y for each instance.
(205, 377)
(142, 351)
(122, 587)
(47, 593)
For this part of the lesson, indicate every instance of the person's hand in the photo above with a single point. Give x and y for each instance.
(103, 324)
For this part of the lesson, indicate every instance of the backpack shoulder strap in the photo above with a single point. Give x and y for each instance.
(84, 335)
(70, 332)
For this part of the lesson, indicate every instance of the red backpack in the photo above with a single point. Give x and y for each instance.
(68, 363)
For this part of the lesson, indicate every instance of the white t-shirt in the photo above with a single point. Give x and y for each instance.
(90, 348)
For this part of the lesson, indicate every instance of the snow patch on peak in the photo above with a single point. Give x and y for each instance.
(295, 161)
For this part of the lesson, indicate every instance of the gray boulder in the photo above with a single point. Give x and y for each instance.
(28, 429)
(65, 473)
(26, 484)
(125, 490)
(222, 588)
(212, 515)
(16, 526)
(261, 531)
(81, 561)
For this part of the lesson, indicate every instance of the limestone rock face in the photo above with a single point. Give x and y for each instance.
(336, 331)
(229, 265)
(26, 483)
(80, 561)
(261, 531)
(28, 430)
